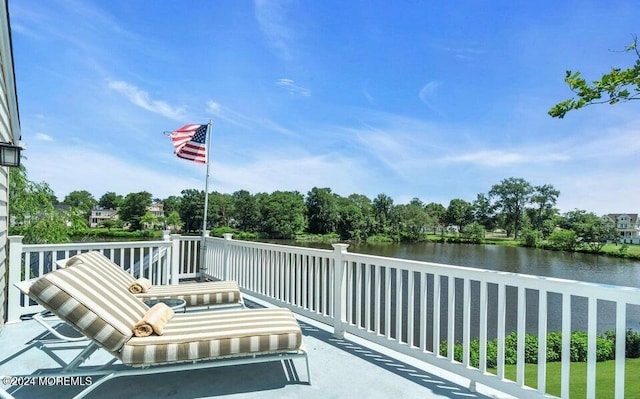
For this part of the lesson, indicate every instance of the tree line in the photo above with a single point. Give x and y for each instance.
(524, 211)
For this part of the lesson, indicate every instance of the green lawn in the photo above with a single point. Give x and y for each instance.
(605, 378)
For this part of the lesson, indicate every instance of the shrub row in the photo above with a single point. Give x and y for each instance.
(605, 348)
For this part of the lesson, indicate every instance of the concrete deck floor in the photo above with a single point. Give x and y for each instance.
(340, 368)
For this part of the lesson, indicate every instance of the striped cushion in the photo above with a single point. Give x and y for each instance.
(207, 335)
(195, 294)
(113, 272)
(82, 296)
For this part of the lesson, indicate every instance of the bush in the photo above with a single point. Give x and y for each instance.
(531, 238)
(633, 344)
(564, 240)
(605, 348)
(474, 232)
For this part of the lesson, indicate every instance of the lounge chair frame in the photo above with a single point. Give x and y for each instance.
(111, 370)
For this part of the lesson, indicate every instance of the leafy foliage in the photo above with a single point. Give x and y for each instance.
(134, 207)
(322, 211)
(283, 214)
(605, 348)
(32, 211)
(512, 195)
(82, 200)
(110, 200)
(619, 85)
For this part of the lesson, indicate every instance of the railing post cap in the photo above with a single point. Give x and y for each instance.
(16, 238)
(340, 247)
(227, 236)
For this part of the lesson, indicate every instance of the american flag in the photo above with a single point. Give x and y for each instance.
(189, 142)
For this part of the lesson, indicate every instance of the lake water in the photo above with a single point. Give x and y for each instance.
(574, 266)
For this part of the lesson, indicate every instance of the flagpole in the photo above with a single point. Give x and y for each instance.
(206, 204)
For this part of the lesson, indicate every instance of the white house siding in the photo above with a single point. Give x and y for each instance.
(9, 133)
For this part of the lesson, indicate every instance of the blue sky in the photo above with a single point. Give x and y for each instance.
(406, 98)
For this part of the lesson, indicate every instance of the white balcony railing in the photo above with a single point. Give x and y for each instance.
(412, 306)
(408, 306)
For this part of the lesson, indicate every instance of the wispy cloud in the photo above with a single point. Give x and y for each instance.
(142, 99)
(247, 122)
(304, 171)
(273, 20)
(43, 137)
(428, 93)
(498, 158)
(292, 88)
(97, 171)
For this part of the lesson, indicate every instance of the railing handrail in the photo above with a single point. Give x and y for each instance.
(90, 245)
(630, 295)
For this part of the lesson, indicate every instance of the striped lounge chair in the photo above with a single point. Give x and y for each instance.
(210, 294)
(93, 301)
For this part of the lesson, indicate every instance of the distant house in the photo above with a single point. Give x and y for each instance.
(99, 215)
(627, 225)
(157, 209)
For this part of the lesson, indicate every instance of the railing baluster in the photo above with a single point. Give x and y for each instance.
(423, 311)
(451, 316)
(358, 294)
(501, 325)
(466, 323)
(436, 314)
(542, 341)
(367, 297)
(484, 307)
(522, 309)
(621, 335)
(566, 346)
(387, 302)
(410, 310)
(592, 335)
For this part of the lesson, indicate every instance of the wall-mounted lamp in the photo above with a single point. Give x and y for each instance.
(9, 154)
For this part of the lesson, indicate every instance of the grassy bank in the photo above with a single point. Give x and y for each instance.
(605, 378)
(628, 251)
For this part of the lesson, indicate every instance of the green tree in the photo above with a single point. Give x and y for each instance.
(511, 197)
(134, 207)
(246, 211)
(484, 212)
(592, 231)
(474, 232)
(437, 213)
(191, 209)
(171, 203)
(355, 217)
(149, 220)
(283, 213)
(413, 220)
(220, 210)
(382, 206)
(110, 200)
(563, 239)
(619, 85)
(459, 213)
(82, 200)
(173, 221)
(31, 210)
(322, 211)
(544, 198)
